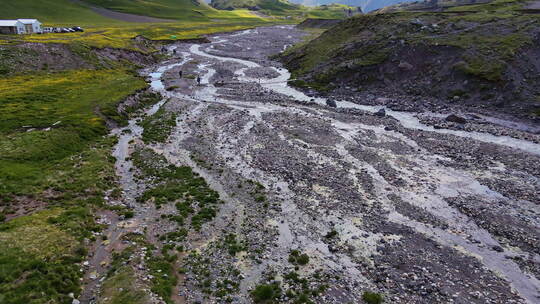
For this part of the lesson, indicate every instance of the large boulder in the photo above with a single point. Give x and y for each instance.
(331, 103)
(456, 119)
(404, 65)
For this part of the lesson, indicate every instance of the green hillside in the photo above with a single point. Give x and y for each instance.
(283, 8)
(80, 12)
(331, 11)
(192, 19)
(51, 11)
(471, 54)
(272, 5)
(166, 9)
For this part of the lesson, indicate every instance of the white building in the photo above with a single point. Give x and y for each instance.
(12, 27)
(20, 26)
(31, 25)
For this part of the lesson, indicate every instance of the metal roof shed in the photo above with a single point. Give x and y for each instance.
(31, 25)
(12, 27)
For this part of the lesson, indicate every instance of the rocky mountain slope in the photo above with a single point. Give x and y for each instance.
(482, 55)
(311, 23)
(371, 5)
(366, 5)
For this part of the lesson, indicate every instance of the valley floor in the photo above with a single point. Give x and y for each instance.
(316, 203)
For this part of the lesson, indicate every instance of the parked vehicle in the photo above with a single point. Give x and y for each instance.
(64, 30)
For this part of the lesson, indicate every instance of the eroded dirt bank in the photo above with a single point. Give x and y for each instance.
(323, 203)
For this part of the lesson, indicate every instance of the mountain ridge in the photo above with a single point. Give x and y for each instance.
(366, 5)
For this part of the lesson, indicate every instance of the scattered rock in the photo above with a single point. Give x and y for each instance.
(405, 66)
(331, 103)
(93, 275)
(497, 248)
(381, 113)
(456, 119)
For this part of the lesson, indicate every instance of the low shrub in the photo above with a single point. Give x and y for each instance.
(266, 293)
(372, 297)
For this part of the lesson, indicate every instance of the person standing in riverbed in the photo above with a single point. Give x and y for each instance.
(180, 73)
(199, 80)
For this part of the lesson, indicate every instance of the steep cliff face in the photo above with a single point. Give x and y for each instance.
(483, 55)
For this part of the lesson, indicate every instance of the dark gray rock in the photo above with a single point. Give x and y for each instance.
(381, 113)
(331, 103)
(456, 119)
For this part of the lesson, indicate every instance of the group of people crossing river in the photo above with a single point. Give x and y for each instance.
(180, 74)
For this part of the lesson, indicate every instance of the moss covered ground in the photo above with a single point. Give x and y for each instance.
(54, 157)
(49, 118)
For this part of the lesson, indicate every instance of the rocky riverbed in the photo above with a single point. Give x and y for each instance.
(329, 202)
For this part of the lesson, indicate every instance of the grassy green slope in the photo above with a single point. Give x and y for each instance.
(484, 44)
(274, 5)
(167, 9)
(192, 21)
(283, 8)
(51, 11)
(72, 98)
(332, 11)
(68, 12)
(374, 31)
(64, 166)
(55, 155)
